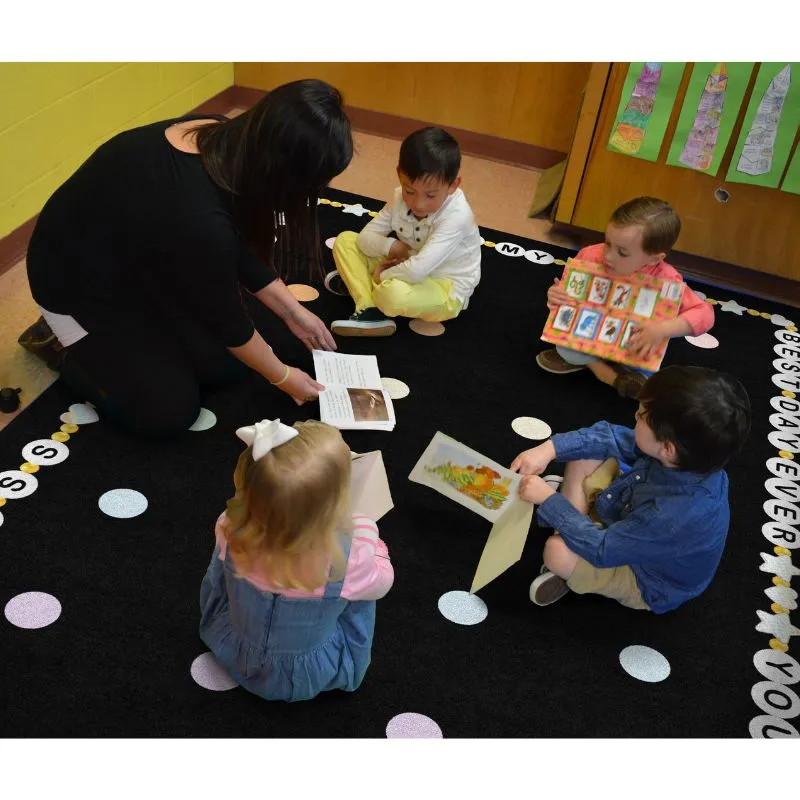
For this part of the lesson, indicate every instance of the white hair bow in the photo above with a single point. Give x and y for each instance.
(265, 435)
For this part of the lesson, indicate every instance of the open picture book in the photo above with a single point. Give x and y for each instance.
(605, 311)
(486, 488)
(354, 398)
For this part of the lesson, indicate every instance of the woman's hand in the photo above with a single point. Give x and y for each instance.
(309, 329)
(300, 386)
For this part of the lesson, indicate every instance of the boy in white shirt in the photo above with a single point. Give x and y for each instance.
(432, 268)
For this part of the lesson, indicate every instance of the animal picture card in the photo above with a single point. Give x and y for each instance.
(488, 489)
(608, 309)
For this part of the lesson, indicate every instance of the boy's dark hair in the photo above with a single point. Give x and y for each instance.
(704, 413)
(430, 153)
(660, 221)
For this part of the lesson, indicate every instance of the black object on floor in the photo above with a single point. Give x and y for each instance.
(9, 400)
(117, 660)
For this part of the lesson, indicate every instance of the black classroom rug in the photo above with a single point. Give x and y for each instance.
(116, 662)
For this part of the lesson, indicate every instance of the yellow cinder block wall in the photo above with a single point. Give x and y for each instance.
(53, 115)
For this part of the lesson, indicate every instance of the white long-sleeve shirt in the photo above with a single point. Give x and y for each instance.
(446, 244)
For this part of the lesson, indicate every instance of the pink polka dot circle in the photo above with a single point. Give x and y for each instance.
(411, 725)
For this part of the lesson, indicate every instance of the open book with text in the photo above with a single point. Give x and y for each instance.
(353, 398)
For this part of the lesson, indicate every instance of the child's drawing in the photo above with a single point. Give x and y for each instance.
(621, 296)
(599, 291)
(672, 290)
(759, 146)
(610, 329)
(464, 475)
(645, 302)
(629, 329)
(564, 317)
(576, 284)
(588, 322)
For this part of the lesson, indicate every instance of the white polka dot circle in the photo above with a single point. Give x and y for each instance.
(205, 419)
(531, 428)
(16, 484)
(1, 519)
(396, 389)
(412, 726)
(45, 452)
(33, 610)
(208, 673)
(330, 242)
(539, 257)
(644, 663)
(122, 503)
(706, 341)
(462, 608)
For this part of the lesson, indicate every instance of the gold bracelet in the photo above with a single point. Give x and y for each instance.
(284, 378)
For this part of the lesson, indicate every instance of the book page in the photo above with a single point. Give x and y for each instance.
(505, 544)
(356, 408)
(340, 369)
(467, 477)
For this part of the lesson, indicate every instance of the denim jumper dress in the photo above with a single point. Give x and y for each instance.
(283, 648)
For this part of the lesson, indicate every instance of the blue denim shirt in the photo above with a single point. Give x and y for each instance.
(668, 526)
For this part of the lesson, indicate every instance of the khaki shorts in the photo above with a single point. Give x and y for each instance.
(618, 583)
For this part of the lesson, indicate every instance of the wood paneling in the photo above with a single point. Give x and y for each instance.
(757, 228)
(534, 103)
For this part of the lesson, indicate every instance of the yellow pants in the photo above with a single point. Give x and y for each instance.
(429, 300)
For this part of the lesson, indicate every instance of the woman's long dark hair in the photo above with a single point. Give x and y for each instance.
(275, 159)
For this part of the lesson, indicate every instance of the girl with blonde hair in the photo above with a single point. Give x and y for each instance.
(288, 600)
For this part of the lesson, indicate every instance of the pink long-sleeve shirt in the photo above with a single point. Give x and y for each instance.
(369, 574)
(695, 310)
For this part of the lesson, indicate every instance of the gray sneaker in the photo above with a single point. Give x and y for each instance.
(367, 322)
(548, 588)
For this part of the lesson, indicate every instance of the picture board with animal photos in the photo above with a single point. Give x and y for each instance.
(607, 309)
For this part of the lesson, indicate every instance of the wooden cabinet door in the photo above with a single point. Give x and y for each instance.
(757, 228)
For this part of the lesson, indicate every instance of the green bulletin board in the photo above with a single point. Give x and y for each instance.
(791, 183)
(769, 127)
(710, 108)
(645, 105)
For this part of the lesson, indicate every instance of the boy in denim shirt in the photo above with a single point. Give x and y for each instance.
(651, 537)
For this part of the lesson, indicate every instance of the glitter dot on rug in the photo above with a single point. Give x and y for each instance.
(208, 673)
(426, 328)
(330, 242)
(644, 663)
(462, 608)
(704, 340)
(122, 503)
(701, 295)
(553, 481)
(33, 610)
(205, 419)
(1, 519)
(531, 428)
(413, 726)
(396, 389)
(303, 293)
